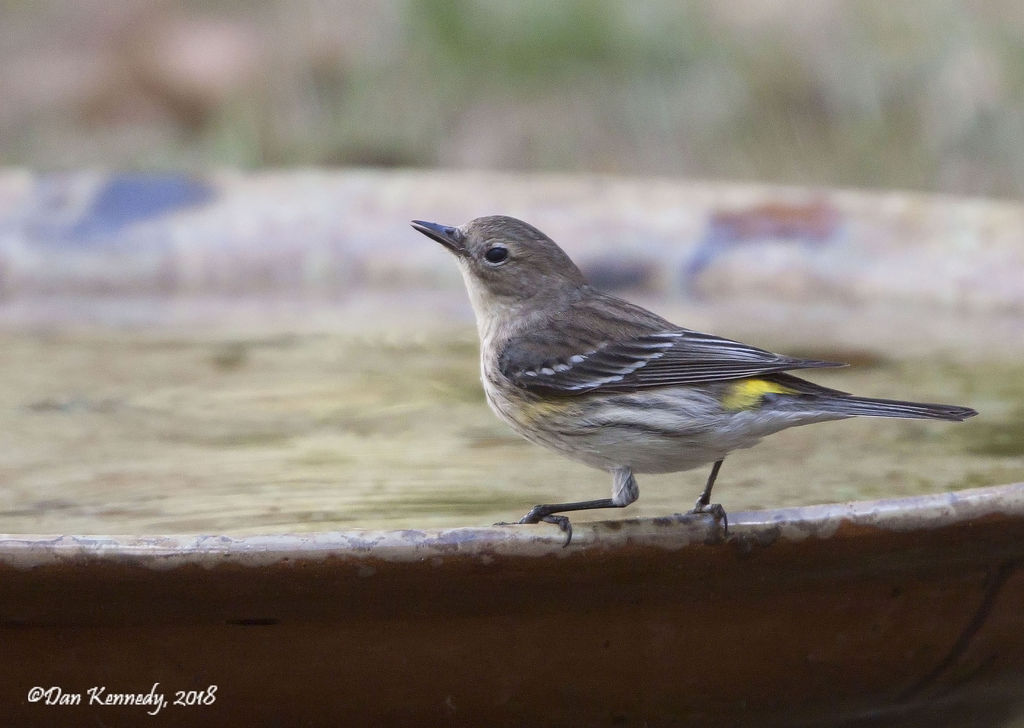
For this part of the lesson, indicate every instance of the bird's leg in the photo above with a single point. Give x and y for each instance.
(705, 497)
(624, 492)
(704, 504)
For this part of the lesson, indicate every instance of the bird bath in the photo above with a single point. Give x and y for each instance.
(269, 384)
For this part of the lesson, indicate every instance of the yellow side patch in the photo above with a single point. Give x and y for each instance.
(532, 412)
(747, 393)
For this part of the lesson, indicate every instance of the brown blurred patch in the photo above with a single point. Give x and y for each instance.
(815, 222)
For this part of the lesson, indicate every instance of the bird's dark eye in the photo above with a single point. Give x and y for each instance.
(496, 254)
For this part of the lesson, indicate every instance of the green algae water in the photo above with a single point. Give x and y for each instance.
(113, 431)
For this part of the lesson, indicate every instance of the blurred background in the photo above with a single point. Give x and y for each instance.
(916, 95)
(215, 318)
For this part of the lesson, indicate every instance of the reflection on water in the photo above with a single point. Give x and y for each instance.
(126, 433)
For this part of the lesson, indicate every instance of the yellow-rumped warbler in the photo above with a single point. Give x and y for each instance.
(617, 387)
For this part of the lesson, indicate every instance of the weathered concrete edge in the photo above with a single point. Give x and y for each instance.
(924, 513)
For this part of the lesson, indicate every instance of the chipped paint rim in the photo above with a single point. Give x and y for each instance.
(924, 512)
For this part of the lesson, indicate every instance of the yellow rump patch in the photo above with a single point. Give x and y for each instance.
(747, 393)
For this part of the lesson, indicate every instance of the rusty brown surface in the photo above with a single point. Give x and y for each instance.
(856, 614)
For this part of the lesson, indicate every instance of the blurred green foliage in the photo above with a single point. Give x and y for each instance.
(925, 95)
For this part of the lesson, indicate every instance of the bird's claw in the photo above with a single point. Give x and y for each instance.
(563, 523)
(537, 515)
(716, 511)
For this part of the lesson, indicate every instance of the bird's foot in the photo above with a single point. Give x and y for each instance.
(539, 514)
(716, 511)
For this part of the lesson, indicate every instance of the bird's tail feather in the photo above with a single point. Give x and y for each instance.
(867, 407)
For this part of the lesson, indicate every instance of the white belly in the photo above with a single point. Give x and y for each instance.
(652, 432)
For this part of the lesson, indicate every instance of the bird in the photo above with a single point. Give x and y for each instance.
(617, 387)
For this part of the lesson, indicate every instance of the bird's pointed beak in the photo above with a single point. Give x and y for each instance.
(450, 237)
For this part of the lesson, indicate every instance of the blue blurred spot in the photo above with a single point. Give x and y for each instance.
(130, 198)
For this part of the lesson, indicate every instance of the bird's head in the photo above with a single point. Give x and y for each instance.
(506, 263)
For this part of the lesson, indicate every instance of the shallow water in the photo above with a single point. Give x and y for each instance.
(117, 431)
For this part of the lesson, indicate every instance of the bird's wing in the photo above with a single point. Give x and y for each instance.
(569, 357)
